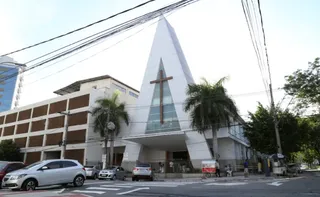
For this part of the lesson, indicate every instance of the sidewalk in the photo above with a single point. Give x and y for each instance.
(221, 179)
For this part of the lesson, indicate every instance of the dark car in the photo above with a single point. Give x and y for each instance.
(9, 166)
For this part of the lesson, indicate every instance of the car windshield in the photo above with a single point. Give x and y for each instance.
(2, 165)
(32, 165)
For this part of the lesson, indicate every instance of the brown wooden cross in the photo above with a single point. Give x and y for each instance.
(160, 81)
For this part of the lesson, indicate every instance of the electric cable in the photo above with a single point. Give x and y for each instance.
(81, 28)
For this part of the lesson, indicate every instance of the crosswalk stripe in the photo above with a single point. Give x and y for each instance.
(101, 188)
(88, 192)
(149, 185)
(134, 190)
(122, 186)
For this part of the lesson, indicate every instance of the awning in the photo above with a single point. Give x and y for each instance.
(169, 141)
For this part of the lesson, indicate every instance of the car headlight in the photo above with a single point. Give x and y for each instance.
(15, 177)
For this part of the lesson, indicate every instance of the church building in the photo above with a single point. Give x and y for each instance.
(160, 130)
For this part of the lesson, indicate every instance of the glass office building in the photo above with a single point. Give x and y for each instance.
(10, 84)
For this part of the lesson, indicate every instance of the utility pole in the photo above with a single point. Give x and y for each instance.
(275, 120)
(65, 134)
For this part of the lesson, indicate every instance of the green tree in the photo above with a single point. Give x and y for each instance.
(210, 107)
(9, 151)
(260, 131)
(309, 155)
(313, 123)
(116, 111)
(305, 85)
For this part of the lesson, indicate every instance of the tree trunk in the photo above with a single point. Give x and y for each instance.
(111, 147)
(106, 139)
(215, 143)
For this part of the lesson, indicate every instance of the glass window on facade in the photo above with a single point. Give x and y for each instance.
(119, 88)
(171, 122)
(133, 94)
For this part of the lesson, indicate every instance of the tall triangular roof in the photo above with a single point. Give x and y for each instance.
(166, 54)
(164, 25)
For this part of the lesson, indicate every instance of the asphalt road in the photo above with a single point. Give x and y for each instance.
(305, 185)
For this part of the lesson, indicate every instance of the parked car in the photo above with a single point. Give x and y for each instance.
(113, 173)
(92, 171)
(45, 173)
(9, 166)
(142, 171)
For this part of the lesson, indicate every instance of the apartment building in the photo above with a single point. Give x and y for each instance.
(10, 89)
(38, 129)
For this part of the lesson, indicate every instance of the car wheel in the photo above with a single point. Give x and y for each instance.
(133, 179)
(124, 178)
(114, 177)
(29, 185)
(78, 181)
(151, 178)
(95, 177)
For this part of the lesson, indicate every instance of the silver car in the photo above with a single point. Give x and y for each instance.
(142, 171)
(45, 173)
(113, 173)
(92, 171)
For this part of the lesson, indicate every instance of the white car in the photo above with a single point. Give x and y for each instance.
(45, 173)
(113, 173)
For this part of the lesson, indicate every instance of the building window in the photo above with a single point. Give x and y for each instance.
(133, 94)
(120, 88)
(170, 118)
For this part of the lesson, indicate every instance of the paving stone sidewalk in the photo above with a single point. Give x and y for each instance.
(221, 179)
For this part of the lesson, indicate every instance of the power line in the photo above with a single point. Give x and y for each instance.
(125, 26)
(87, 58)
(81, 28)
(264, 39)
(256, 44)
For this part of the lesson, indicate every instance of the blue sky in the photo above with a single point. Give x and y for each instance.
(213, 35)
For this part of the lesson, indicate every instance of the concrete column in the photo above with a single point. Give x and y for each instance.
(132, 154)
(198, 148)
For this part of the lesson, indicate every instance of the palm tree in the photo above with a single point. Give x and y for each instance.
(210, 108)
(117, 113)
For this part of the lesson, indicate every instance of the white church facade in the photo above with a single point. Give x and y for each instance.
(160, 130)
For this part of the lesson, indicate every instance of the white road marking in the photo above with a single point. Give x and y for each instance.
(149, 185)
(227, 184)
(60, 191)
(121, 186)
(100, 182)
(101, 188)
(88, 191)
(134, 190)
(277, 183)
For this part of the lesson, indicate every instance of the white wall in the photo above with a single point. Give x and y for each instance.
(227, 149)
